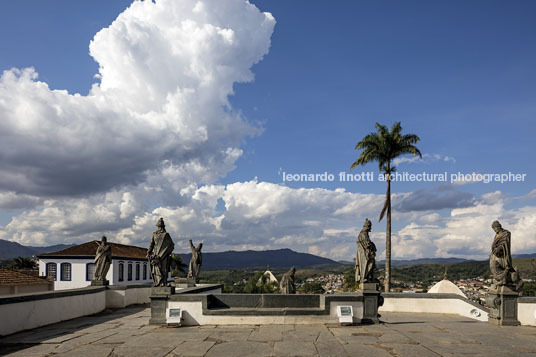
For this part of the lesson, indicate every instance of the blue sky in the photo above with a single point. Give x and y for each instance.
(459, 74)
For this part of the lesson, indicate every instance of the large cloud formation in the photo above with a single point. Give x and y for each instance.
(153, 136)
(166, 70)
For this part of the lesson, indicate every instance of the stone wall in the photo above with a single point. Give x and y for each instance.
(433, 303)
(24, 312)
(121, 296)
(526, 310)
(27, 311)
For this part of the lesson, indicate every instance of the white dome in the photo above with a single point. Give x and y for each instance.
(445, 287)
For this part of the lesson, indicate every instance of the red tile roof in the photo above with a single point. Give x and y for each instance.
(12, 277)
(90, 248)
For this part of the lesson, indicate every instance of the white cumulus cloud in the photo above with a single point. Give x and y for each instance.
(166, 70)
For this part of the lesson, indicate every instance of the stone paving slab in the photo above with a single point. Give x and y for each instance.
(266, 335)
(241, 349)
(141, 352)
(330, 349)
(192, 348)
(125, 332)
(294, 348)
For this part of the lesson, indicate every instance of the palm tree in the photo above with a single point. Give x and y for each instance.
(384, 146)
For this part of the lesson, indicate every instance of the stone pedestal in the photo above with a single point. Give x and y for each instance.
(503, 302)
(184, 282)
(371, 301)
(159, 298)
(100, 282)
(162, 290)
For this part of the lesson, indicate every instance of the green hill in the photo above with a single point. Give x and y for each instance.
(455, 271)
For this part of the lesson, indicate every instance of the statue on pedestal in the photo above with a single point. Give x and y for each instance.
(287, 285)
(500, 260)
(195, 262)
(365, 262)
(159, 254)
(103, 259)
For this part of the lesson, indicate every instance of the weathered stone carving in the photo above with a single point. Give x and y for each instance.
(365, 262)
(500, 260)
(103, 259)
(159, 254)
(195, 262)
(287, 284)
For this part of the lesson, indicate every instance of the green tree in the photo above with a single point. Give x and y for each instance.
(349, 280)
(384, 146)
(314, 287)
(259, 284)
(529, 288)
(22, 263)
(177, 266)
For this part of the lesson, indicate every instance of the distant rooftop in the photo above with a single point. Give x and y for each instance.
(90, 248)
(12, 277)
(125, 332)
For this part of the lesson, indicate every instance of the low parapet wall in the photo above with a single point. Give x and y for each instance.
(433, 303)
(526, 310)
(119, 296)
(24, 312)
(238, 309)
(223, 309)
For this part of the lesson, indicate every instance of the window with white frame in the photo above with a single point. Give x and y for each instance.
(129, 273)
(144, 271)
(121, 271)
(138, 268)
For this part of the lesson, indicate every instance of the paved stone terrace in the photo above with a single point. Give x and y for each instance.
(126, 332)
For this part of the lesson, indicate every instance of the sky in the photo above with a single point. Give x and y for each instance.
(113, 114)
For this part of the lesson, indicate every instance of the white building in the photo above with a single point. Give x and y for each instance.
(74, 267)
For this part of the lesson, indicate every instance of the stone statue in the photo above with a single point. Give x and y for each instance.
(159, 254)
(103, 259)
(195, 262)
(500, 260)
(365, 262)
(287, 285)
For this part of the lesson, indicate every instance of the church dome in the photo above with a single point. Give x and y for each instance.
(269, 277)
(445, 287)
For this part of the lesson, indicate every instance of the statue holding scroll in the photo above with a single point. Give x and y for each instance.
(159, 254)
(500, 260)
(103, 259)
(365, 262)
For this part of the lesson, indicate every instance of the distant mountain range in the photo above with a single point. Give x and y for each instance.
(533, 255)
(277, 259)
(411, 262)
(10, 250)
(421, 261)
